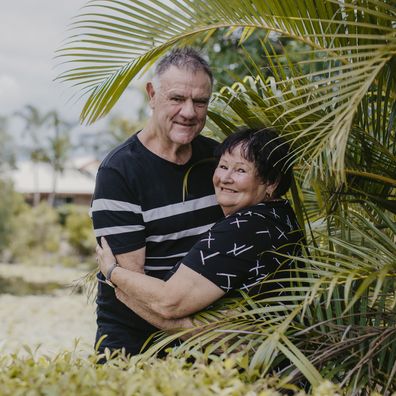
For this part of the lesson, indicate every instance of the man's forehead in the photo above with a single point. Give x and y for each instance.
(184, 76)
(184, 89)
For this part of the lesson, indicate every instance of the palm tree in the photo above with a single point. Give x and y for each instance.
(58, 149)
(7, 150)
(337, 109)
(34, 123)
(50, 142)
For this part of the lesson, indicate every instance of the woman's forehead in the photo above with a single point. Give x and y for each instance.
(236, 154)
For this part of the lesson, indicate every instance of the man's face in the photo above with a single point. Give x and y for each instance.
(180, 104)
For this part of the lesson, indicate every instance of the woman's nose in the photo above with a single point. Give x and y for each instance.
(226, 176)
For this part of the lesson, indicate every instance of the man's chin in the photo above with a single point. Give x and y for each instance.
(184, 136)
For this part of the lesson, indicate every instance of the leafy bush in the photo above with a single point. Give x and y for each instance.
(11, 203)
(79, 229)
(68, 374)
(36, 236)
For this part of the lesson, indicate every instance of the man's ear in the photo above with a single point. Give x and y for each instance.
(150, 93)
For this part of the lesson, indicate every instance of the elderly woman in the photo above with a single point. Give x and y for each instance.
(239, 251)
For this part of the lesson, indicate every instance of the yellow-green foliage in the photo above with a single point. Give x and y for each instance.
(37, 235)
(79, 229)
(68, 374)
(11, 204)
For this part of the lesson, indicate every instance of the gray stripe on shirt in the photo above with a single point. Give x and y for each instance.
(117, 230)
(179, 234)
(115, 206)
(180, 207)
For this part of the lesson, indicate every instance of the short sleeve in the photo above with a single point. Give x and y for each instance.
(228, 254)
(116, 212)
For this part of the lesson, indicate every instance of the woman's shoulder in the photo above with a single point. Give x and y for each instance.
(261, 209)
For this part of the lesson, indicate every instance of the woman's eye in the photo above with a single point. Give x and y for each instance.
(241, 170)
(222, 167)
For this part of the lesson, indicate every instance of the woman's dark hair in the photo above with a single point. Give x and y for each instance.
(267, 150)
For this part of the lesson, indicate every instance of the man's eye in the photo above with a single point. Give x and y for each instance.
(177, 100)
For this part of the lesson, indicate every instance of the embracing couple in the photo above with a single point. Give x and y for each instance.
(177, 231)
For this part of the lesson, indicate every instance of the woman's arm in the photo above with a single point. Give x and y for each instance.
(155, 300)
(156, 320)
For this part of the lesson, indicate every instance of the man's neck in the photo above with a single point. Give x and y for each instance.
(172, 152)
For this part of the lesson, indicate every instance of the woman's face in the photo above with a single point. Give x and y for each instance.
(236, 182)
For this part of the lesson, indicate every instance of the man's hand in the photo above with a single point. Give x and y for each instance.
(105, 257)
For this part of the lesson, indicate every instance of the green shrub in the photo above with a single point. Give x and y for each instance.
(68, 374)
(78, 226)
(36, 236)
(11, 203)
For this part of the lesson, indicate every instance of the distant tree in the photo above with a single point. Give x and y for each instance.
(58, 149)
(7, 149)
(34, 122)
(49, 141)
(9, 199)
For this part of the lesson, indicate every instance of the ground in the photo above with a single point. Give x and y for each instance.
(53, 321)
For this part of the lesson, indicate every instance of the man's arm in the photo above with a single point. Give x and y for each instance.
(116, 214)
(132, 261)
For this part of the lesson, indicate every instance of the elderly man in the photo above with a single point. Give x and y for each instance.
(149, 220)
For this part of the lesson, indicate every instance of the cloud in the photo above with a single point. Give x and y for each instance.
(10, 93)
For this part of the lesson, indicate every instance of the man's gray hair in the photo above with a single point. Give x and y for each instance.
(182, 58)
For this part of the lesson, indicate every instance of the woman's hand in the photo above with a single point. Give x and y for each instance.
(105, 257)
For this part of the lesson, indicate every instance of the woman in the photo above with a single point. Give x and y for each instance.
(259, 230)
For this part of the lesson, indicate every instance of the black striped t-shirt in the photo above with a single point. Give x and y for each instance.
(142, 200)
(139, 201)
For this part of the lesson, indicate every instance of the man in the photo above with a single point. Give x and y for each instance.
(140, 204)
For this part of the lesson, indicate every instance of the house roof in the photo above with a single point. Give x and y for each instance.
(77, 178)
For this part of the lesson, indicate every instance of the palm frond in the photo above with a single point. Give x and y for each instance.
(335, 301)
(114, 40)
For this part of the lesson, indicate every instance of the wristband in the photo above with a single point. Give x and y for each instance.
(108, 275)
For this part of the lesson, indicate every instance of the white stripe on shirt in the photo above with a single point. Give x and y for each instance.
(179, 234)
(115, 206)
(117, 230)
(156, 213)
(180, 207)
(166, 257)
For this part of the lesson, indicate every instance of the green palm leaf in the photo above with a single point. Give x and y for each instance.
(337, 300)
(117, 40)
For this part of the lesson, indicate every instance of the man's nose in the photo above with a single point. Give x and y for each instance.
(188, 110)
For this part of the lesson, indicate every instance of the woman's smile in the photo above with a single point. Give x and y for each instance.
(236, 181)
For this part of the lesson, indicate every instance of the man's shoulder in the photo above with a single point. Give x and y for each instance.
(205, 143)
(124, 152)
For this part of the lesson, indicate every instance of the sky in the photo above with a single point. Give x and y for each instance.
(30, 32)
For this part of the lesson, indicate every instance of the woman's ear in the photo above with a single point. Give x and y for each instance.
(270, 188)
